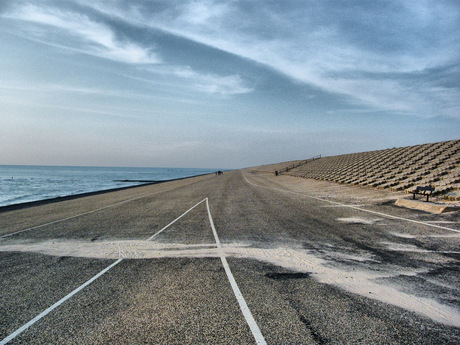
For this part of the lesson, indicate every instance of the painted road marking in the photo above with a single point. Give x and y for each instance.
(175, 220)
(354, 207)
(259, 338)
(57, 304)
(75, 216)
(81, 287)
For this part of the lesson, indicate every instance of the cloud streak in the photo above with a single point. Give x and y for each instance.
(205, 82)
(95, 38)
(328, 45)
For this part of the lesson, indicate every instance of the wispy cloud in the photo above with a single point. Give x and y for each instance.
(63, 110)
(205, 82)
(54, 89)
(322, 56)
(326, 45)
(202, 12)
(96, 38)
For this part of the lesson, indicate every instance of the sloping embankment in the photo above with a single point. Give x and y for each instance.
(398, 169)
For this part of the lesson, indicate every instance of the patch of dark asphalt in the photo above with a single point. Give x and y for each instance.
(62, 258)
(452, 269)
(387, 203)
(286, 276)
(314, 333)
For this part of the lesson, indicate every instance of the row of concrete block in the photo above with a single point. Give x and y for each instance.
(403, 168)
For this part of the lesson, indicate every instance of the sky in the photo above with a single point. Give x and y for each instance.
(223, 84)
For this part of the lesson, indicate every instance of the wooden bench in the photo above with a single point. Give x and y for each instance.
(423, 191)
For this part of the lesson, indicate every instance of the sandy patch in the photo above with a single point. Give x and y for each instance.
(400, 247)
(351, 257)
(362, 282)
(358, 220)
(133, 249)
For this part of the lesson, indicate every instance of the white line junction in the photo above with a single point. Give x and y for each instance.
(241, 301)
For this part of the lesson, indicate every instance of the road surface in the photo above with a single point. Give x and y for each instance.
(240, 258)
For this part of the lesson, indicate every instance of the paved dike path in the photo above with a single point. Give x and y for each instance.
(241, 258)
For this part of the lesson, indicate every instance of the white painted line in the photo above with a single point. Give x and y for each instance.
(57, 304)
(77, 215)
(354, 207)
(175, 220)
(259, 338)
(81, 287)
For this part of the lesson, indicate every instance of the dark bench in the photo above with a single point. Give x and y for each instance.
(423, 191)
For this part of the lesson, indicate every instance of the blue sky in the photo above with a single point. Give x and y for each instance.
(223, 84)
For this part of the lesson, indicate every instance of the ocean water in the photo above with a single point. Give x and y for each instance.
(20, 184)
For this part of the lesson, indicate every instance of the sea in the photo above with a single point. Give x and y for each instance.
(24, 183)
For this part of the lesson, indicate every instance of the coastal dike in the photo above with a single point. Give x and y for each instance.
(397, 169)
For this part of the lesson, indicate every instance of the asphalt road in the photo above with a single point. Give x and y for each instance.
(149, 266)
